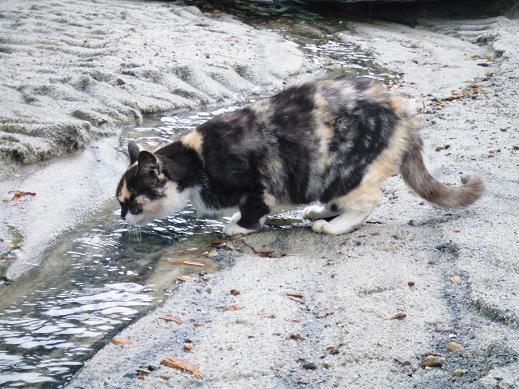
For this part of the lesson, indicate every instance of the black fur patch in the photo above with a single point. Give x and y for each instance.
(293, 129)
(180, 164)
(233, 151)
(360, 135)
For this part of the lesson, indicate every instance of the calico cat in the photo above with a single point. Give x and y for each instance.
(329, 141)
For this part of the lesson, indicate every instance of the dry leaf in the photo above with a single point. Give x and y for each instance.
(184, 366)
(399, 316)
(297, 337)
(184, 278)
(18, 195)
(198, 324)
(211, 253)
(455, 279)
(231, 307)
(182, 262)
(332, 350)
(298, 295)
(121, 341)
(218, 242)
(235, 292)
(168, 317)
(267, 315)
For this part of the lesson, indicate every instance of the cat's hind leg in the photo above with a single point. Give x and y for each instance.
(251, 217)
(355, 208)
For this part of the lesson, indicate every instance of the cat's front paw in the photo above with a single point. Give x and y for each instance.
(313, 212)
(324, 227)
(234, 229)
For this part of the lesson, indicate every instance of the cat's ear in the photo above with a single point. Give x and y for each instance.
(133, 151)
(148, 163)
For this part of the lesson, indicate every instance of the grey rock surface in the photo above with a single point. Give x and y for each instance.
(454, 273)
(75, 70)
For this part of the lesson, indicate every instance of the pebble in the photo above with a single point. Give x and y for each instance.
(432, 361)
(455, 279)
(297, 337)
(309, 366)
(454, 346)
(399, 316)
(458, 372)
(441, 147)
(327, 364)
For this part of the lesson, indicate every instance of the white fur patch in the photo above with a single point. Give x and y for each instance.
(315, 211)
(234, 229)
(342, 224)
(269, 200)
(236, 217)
(173, 201)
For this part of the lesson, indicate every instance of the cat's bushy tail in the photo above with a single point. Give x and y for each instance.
(416, 175)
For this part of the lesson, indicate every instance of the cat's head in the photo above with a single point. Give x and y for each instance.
(146, 191)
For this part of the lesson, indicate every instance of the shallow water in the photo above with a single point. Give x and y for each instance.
(101, 276)
(94, 281)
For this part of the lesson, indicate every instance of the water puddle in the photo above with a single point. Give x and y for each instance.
(101, 276)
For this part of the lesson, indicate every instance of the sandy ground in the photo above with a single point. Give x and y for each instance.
(75, 72)
(370, 306)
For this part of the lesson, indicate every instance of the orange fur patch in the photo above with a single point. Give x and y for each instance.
(194, 141)
(377, 92)
(124, 194)
(143, 199)
(368, 193)
(323, 128)
(396, 104)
